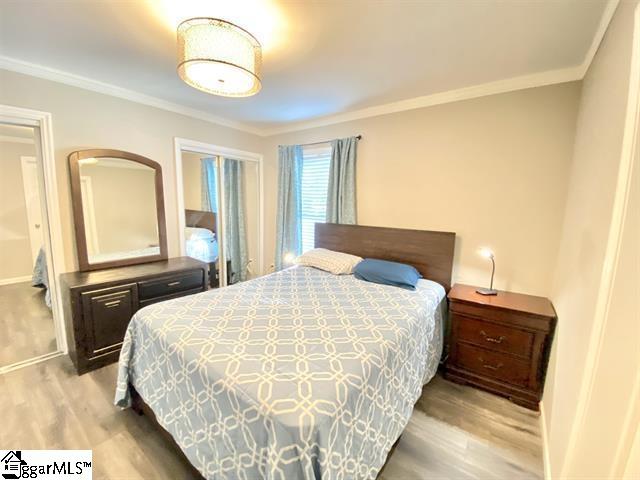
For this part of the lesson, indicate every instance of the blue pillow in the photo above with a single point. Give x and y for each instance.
(387, 273)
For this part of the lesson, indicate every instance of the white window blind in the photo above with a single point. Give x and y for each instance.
(315, 181)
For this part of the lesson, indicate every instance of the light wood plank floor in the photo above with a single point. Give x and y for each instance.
(26, 324)
(455, 432)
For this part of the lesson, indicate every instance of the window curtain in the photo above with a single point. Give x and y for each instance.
(288, 220)
(208, 185)
(235, 234)
(341, 194)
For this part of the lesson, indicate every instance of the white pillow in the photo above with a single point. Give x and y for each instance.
(337, 263)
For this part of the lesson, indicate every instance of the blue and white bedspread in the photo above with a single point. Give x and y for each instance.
(296, 375)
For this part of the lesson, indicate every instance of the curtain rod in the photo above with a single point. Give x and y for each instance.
(359, 137)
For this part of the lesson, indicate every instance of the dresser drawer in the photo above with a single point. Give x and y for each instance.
(493, 364)
(106, 314)
(161, 287)
(493, 336)
(151, 301)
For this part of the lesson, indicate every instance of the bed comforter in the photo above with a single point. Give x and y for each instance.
(296, 375)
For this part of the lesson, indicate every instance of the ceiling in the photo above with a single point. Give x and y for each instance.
(321, 58)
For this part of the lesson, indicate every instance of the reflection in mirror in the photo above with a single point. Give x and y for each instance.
(200, 187)
(119, 209)
(26, 313)
(222, 195)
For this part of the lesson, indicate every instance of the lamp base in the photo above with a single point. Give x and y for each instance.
(487, 291)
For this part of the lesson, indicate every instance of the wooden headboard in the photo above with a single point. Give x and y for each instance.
(431, 253)
(200, 219)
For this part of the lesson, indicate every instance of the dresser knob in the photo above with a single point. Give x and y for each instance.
(172, 284)
(487, 338)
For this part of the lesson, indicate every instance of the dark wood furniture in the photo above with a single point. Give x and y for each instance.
(500, 343)
(202, 219)
(431, 253)
(78, 212)
(99, 304)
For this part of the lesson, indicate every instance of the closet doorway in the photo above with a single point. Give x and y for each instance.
(220, 210)
(30, 315)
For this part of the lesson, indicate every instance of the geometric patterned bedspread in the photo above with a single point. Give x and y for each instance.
(300, 374)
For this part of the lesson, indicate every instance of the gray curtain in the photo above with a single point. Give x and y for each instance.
(208, 185)
(288, 222)
(235, 234)
(341, 194)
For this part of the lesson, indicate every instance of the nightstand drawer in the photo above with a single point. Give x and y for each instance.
(493, 336)
(492, 364)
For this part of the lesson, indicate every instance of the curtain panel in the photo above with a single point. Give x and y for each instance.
(208, 185)
(341, 194)
(288, 221)
(235, 233)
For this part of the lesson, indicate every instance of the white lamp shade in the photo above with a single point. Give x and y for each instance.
(219, 57)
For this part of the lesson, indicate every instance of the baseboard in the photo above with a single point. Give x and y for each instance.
(10, 281)
(545, 443)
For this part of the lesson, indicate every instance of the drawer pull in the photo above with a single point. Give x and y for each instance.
(112, 304)
(489, 366)
(487, 338)
(173, 284)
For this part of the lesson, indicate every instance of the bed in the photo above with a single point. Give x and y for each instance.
(298, 374)
(200, 236)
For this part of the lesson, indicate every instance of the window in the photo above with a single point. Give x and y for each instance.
(316, 161)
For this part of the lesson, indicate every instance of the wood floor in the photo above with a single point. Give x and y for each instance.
(26, 324)
(455, 432)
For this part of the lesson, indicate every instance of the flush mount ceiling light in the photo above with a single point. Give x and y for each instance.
(219, 57)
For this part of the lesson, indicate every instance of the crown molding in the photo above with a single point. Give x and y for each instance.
(40, 71)
(466, 93)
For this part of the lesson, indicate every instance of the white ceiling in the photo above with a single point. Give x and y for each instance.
(321, 57)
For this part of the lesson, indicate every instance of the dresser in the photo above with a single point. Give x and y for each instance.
(98, 305)
(500, 343)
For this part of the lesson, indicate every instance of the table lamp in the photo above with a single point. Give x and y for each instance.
(486, 253)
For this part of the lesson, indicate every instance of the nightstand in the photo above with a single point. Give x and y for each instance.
(500, 343)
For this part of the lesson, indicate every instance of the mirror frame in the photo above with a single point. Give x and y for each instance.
(76, 197)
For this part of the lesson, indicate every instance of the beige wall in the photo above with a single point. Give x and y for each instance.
(84, 119)
(493, 169)
(15, 246)
(578, 282)
(191, 180)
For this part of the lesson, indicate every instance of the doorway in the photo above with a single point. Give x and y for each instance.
(220, 209)
(29, 304)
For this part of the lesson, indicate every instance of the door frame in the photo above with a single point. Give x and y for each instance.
(52, 231)
(195, 146)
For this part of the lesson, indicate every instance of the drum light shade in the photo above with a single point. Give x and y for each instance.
(219, 57)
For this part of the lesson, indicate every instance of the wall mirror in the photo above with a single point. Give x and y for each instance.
(220, 202)
(118, 207)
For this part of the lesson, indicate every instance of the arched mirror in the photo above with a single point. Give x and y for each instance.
(118, 206)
